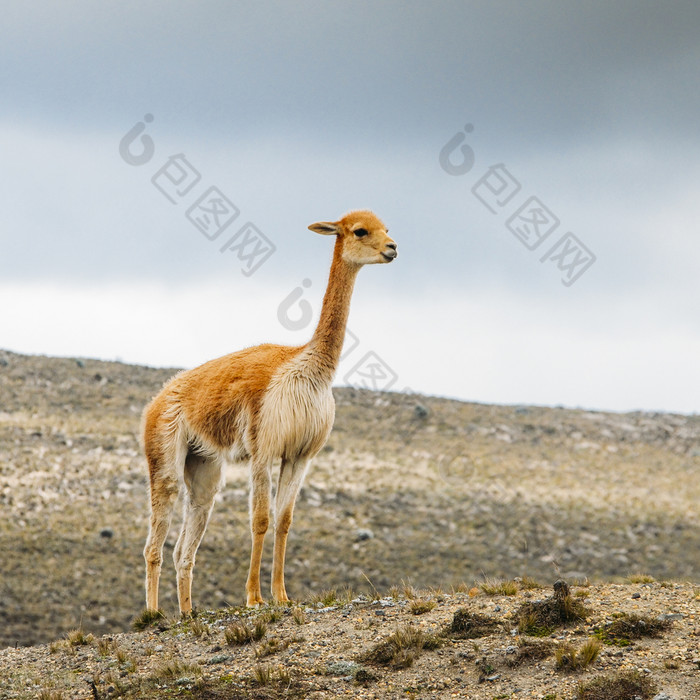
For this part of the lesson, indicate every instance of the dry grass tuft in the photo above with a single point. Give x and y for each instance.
(149, 618)
(50, 695)
(299, 616)
(239, 633)
(625, 627)
(400, 649)
(617, 686)
(493, 587)
(272, 646)
(419, 606)
(198, 629)
(78, 638)
(569, 658)
(468, 625)
(530, 650)
(267, 675)
(527, 583)
(174, 669)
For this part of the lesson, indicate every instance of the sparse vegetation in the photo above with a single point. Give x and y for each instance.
(175, 669)
(198, 628)
(540, 618)
(239, 633)
(326, 598)
(468, 625)
(271, 646)
(490, 587)
(527, 583)
(627, 627)
(419, 606)
(529, 650)
(50, 695)
(401, 648)
(569, 658)
(78, 638)
(272, 616)
(276, 679)
(149, 618)
(622, 685)
(105, 645)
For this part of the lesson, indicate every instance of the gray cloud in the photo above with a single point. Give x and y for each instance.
(300, 111)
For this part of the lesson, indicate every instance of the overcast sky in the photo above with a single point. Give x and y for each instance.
(537, 163)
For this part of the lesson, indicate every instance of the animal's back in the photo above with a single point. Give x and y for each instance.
(216, 400)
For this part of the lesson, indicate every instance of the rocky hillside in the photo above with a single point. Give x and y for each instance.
(510, 639)
(410, 489)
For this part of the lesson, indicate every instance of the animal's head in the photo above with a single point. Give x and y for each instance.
(363, 238)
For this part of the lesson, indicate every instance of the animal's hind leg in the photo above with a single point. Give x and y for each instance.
(163, 491)
(202, 480)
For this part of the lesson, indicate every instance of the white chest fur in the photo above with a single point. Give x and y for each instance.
(297, 413)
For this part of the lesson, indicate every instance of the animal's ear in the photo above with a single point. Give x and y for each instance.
(327, 228)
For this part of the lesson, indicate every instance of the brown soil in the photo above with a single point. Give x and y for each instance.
(337, 648)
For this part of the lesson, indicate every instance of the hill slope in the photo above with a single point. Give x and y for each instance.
(415, 489)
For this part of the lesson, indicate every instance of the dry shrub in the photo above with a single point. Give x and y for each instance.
(540, 618)
(400, 649)
(468, 625)
(617, 686)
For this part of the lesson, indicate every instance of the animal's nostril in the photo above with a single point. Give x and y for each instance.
(391, 245)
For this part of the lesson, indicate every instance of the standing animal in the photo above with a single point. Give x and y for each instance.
(265, 404)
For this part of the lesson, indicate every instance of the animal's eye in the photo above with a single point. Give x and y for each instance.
(360, 232)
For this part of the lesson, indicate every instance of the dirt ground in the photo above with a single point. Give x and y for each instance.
(335, 648)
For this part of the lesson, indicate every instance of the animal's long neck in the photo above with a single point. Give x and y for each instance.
(327, 342)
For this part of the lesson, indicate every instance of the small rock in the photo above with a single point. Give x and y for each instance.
(107, 533)
(420, 411)
(636, 595)
(363, 534)
(343, 668)
(663, 696)
(670, 616)
(219, 659)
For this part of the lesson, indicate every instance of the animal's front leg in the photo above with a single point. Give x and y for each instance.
(290, 480)
(259, 522)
